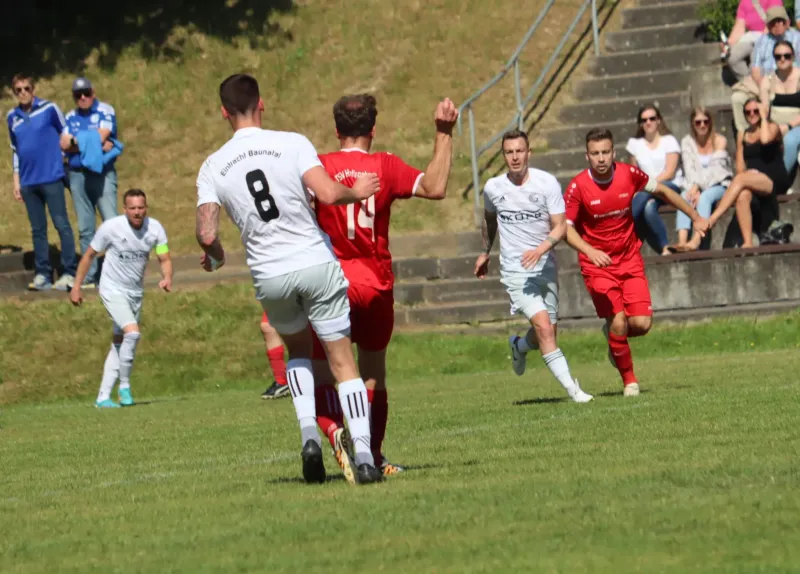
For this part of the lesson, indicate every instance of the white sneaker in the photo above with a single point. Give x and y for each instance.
(631, 390)
(64, 283)
(518, 360)
(610, 354)
(580, 396)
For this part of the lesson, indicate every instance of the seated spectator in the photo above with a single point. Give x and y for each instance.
(35, 127)
(760, 173)
(781, 91)
(751, 23)
(657, 153)
(707, 164)
(763, 61)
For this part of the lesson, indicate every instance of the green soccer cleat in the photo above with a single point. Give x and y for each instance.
(125, 398)
(106, 404)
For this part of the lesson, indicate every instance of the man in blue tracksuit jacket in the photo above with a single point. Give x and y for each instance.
(35, 127)
(91, 189)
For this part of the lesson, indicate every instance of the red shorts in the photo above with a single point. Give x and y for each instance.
(371, 319)
(618, 290)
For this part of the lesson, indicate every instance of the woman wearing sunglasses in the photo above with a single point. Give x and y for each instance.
(656, 152)
(783, 86)
(760, 173)
(708, 173)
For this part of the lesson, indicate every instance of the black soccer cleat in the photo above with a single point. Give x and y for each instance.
(313, 467)
(367, 474)
(276, 391)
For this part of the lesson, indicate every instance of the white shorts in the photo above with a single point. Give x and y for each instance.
(317, 294)
(531, 294)
(123, 309)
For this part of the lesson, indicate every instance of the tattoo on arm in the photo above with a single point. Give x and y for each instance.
(488, 231)
(207, 223)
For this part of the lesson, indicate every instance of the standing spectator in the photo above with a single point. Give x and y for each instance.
(92, 136)
(705, 158)
(751, 23)
(34, 128)
(762, 61)
(656, 152)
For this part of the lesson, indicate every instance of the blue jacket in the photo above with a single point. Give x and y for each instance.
(35, 142)
(92, 156)
(100, 115)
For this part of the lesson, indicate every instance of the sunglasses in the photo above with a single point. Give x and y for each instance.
(648, 119)
(82, 93)
(702, 122)
(752, 112)
(21, 89)
(786, 56)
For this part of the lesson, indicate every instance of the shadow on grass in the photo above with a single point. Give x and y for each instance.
(43, 37)
(540, 401)
(300, 480)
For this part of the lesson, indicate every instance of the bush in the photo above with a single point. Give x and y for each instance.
(719, 16)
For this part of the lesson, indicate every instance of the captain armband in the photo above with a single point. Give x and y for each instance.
(162, 249)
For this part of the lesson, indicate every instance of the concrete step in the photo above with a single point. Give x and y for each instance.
(571, 160)
(733, 278)
(634, 85)
(659, 14)
(642, 3)
(574, 136)
(450, 291)
(619, 109)
(666, 36)
(15, 281)
(648, 60)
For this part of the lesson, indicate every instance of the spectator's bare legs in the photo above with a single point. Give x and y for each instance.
(740, 192)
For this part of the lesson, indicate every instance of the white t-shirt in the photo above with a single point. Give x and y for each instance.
(523, 218)
(127, 252)
(257, 178)
(653, 161)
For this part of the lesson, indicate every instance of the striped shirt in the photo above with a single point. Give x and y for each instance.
(762, 52)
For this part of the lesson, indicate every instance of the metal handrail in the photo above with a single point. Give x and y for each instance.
(521, 104)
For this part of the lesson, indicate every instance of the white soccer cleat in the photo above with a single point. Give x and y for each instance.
(580, 396)
(631, 390)
(518, 359)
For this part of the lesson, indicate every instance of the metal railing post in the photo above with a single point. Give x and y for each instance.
(518, 94)
(476, 181)
(595, 31)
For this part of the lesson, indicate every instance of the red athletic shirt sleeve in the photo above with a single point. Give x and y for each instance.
(572, 200)
(400, 178)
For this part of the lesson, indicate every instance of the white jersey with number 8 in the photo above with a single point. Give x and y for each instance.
(257, 177)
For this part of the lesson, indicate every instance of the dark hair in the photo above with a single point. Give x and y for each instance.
(514, 135)
(784, 43)
(598, 135)
(355, 115)
(21, 78)
(662, 125)
(239, 94)
(135, 192)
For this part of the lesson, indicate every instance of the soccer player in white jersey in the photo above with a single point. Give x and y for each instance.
(527, 207)
(127, 241)
(261, 178)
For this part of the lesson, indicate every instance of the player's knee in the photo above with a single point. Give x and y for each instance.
(619, 325)
(544, 332)
(640, 325)
(132, 328)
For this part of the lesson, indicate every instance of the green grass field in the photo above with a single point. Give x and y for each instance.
(698, 474)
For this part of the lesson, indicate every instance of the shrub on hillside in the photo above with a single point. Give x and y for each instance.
(719, 16)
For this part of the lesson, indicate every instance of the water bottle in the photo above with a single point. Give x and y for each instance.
(725, 48)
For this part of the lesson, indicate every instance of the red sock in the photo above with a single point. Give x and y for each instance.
(622, 357)
(277, 364)
(329, 410)
(379, 414)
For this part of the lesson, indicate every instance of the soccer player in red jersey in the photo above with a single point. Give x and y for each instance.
(360, 236)
(600, 227)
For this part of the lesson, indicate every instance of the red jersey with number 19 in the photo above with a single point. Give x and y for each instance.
(359, 232)
(601, 213)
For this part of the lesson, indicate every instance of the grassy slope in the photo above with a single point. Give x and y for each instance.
(410, 53)
(698, 474)
(209, 340)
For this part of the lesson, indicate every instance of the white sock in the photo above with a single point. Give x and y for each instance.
(301, 385)
(523, 346)
(557, 364)
(110, 374)
(353, 396)
(127, 353)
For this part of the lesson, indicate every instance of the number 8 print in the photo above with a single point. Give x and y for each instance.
(259, 189)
